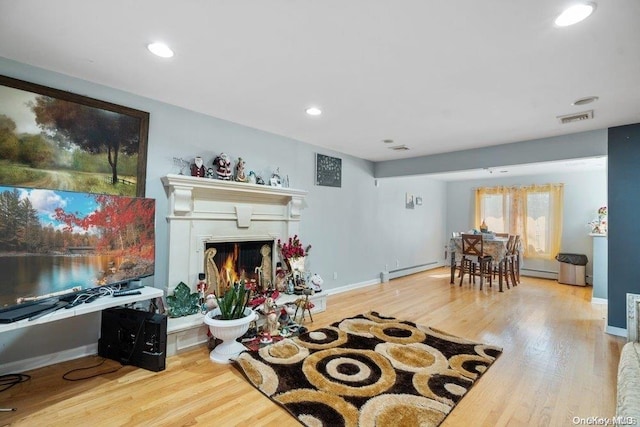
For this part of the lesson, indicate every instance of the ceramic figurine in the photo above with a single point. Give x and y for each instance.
(223, 167)
(252, 177)
(210, 173)
(197, 168)
(241, 176)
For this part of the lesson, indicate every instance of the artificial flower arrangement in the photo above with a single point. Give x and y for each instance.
(293, 248)
(599, 226)
(235, 300)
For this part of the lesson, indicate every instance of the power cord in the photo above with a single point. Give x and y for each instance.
(9, 380)
(133, 347)
(65, 376)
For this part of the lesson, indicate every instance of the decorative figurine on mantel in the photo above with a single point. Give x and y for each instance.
(223, 167)
(197, 168)
(241, 176)
(251, 179)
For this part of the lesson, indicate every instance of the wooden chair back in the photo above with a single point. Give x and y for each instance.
(472, 245)
(511, 244)
(504, 235)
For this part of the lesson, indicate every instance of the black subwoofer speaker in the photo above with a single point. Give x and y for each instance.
(134, 337)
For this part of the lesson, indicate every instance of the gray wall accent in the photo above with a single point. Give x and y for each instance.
(584, 193)
(577, 145)
(624, 226)
(355, 230)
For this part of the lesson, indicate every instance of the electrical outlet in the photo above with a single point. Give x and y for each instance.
(335, 275)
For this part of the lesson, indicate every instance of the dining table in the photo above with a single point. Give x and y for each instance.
(496, 247)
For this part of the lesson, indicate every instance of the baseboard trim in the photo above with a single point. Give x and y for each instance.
(613, 330)
(405, 272)
(543, 274)
(394, 274)
(346, 288)
(599, 300)
(48, 359)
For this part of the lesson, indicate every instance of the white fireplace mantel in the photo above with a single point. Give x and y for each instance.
(185, 190)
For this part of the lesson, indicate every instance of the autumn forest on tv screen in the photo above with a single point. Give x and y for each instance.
(111, 237)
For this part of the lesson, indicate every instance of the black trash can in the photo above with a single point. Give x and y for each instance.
(572, 269)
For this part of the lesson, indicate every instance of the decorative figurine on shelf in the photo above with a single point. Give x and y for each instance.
(281, 278)
(241, 176)
(259, 180)
(271, 314)
(316, 283)
(201, 287)
(210, 173)
(266, 266)
(223, 167)
(180, 163)
(251, 179)
(275, 180)
(197, 168)
(210, 302)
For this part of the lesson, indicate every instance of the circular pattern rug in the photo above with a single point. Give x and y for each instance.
(368, 370)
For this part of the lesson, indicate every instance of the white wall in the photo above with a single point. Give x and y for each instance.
(584, 193)
(355, 230)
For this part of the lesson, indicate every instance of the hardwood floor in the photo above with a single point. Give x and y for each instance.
(557, 364)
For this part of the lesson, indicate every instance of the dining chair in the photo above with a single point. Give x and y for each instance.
(507, 263)
(503, 235)
(515, 260)
(474, 261)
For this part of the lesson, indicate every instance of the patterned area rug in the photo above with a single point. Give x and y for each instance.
(368, 370)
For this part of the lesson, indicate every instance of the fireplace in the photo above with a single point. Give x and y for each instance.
(226, 263)
(208, 214)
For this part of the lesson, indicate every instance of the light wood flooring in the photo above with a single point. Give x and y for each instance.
(557, 364)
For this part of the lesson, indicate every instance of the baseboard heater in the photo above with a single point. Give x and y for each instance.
(393, 274)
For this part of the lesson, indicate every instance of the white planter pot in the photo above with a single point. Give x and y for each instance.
(228, 331)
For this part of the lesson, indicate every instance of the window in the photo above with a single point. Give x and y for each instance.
(533, 212)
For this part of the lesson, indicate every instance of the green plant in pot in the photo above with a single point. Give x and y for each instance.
(235, 301)
(229, 321)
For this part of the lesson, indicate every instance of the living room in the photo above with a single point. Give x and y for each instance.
(359, 229)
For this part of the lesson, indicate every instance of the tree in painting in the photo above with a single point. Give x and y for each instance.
(95, 130)
(123, 223)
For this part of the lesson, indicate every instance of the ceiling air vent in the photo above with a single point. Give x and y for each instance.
(399, 148)
(576, 117)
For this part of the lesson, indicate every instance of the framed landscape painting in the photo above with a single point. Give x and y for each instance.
(63, 141)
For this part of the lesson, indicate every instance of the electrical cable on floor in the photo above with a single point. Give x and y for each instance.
(133, 347)
(64, 377)
(9, 380)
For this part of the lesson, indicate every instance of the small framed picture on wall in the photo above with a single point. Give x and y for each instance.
(328, 171)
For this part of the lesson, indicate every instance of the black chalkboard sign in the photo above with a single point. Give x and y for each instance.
(328, 171)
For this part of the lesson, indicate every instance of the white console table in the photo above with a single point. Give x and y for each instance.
(99, 304)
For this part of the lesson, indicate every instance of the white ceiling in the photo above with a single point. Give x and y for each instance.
(434, 76)
(590, 164)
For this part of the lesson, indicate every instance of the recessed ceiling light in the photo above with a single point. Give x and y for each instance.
(575, 14)
(314, 111)
(585, 100)
(160, 49)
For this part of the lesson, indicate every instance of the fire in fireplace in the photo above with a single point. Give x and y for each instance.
(229, 262)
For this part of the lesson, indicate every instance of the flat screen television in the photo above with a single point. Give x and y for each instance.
(54, 241)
